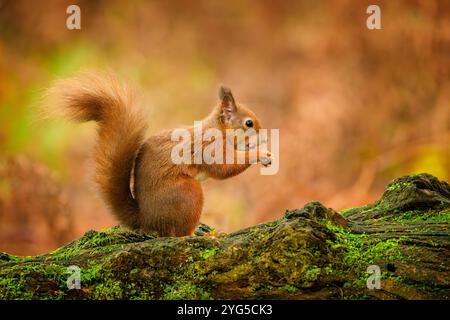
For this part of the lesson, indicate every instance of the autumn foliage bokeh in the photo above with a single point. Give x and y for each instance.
(355, 107)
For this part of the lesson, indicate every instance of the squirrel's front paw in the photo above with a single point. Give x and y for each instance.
(266, 160)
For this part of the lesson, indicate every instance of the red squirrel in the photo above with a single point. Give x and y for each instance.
(166, 197)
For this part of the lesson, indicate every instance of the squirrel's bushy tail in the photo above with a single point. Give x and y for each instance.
(122, 126)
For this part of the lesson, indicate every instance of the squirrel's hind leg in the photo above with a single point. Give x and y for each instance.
(175, 210)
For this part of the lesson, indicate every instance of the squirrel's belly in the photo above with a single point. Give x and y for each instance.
(201, 176)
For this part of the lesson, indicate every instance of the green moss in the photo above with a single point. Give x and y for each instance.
(110, 287)
(312, 273)
(4, 257)
(14, 288)
(420, 290)
(15, 282)
(109, 290)
(363, 251)
(101, 242)
(209, 252)
(343, 211)
(423, 215)
(398, 185)
(380, 206)
(91, 273)
(289, 288)
(87, 253)
(185, 291)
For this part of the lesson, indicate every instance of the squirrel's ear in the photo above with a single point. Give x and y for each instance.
(227, 104)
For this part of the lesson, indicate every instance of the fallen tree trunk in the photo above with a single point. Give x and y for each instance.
(310, 253)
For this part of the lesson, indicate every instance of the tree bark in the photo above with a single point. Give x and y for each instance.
(310, 253)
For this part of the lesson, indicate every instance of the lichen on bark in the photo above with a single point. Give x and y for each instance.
(309, 253)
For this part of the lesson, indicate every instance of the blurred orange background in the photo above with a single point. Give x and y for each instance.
(355, 107)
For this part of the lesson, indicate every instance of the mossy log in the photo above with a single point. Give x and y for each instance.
(309, 253)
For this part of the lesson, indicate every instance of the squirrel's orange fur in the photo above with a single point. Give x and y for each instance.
(167, 197)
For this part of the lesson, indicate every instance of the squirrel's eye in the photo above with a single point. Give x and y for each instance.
(249, 123)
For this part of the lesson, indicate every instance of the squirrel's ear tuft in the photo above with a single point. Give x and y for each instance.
(224, 92)
(227, 103)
